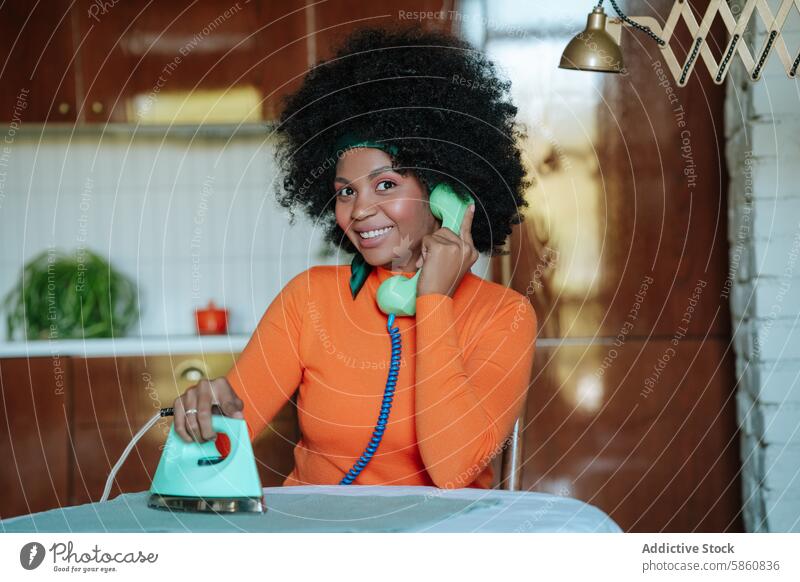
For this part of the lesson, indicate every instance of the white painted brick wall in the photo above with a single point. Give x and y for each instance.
(147, 195)
(762, 124)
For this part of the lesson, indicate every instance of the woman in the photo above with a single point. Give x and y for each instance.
(362, 144)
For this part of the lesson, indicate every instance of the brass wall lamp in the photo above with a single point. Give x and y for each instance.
(597, 47)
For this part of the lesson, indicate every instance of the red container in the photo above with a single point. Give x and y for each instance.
(212, 320)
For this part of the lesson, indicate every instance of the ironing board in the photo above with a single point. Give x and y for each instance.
(338, 508)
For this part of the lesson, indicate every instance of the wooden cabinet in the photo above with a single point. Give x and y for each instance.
(37, 77)
(35, 439)
(139, 57)
(113, 398)
(70, 419)
(289, 51)
(181, 61)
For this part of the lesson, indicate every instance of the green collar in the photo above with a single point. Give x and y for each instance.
(359, 271)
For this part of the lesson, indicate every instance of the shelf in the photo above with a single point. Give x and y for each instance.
(181, 131)
(126, 346)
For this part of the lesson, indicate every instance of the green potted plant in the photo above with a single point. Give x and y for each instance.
(70, 295)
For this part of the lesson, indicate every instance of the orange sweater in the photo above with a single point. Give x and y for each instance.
(465, 368)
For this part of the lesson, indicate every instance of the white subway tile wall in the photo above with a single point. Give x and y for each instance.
(190, 220)
(763, 126)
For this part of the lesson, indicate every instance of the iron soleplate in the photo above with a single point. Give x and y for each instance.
(207, 505)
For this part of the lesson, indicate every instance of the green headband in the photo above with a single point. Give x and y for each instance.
(349, 140)
(360, 268)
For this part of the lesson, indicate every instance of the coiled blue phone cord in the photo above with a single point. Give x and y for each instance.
(383, 417)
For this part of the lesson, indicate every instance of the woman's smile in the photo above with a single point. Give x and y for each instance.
(372, 238)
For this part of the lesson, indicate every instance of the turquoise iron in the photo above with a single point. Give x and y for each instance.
(219, 477)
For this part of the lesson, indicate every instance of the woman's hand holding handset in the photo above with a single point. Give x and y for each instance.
(193, 409)
(446, 257)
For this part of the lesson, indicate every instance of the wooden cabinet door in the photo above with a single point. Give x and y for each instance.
(182, 55)
(288, 51)
(37, 81)
(112, 401)
(35, 439)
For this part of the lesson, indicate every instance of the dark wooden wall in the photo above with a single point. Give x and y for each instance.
(631, 408)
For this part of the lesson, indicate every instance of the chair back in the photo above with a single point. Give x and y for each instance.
(511, 463)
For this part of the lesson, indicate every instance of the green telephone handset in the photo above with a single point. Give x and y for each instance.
(398, 294)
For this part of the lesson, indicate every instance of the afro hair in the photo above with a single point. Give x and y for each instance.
(433, 96)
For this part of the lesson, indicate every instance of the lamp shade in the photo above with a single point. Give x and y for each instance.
(594, 49)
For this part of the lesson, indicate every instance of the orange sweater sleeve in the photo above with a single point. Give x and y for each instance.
(269, 369)
(466, 408)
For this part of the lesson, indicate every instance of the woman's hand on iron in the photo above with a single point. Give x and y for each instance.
(192, 410)
(446, 258)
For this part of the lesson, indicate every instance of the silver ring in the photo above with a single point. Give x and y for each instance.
(191, 411)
